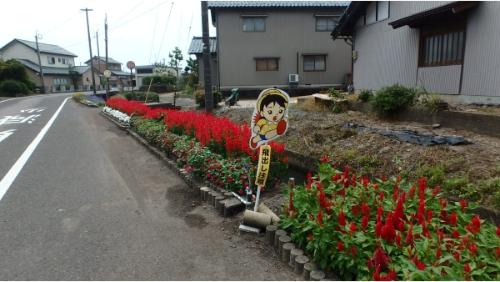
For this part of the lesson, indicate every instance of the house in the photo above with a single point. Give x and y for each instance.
(286, 44)
(450, 48)
(149, 70)
(196, 49)
(55, 60)
(119, 79)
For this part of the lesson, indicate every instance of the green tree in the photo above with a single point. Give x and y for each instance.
(175, 59)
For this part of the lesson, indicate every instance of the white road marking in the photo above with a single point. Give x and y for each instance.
(11, 175)
(6, 100)
(5, 134)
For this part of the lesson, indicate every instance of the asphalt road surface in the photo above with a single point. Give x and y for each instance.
(82, 200)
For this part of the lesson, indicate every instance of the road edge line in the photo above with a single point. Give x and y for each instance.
(14, 171)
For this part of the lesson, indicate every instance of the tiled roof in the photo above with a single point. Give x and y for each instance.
(45, 48)
(81, 69)
(196, 46)
(277, 4)
(103, 59)
(46, 70)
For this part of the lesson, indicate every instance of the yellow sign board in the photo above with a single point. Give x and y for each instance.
(263, 165)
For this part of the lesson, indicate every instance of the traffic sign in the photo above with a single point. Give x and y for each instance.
(130, 65)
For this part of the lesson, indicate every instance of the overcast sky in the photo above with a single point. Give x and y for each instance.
(139, 30)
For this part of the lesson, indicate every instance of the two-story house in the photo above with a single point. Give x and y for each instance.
(119, 78)
(149, 70)
(450, 48)
(56, 63)
(285, 44)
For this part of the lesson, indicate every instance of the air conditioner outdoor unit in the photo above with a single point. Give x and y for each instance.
(293, 78)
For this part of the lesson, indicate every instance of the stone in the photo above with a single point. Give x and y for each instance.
(219, 204)
(317, 275)
(299, 264)
(270, 230)
(308, 267)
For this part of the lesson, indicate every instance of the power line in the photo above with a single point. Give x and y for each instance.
(117, 26)
(60, 25)
(164, 32)
(154, 35)
(130, 11)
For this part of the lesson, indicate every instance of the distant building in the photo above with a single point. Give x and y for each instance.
(285, 44)
(149, 70)
(56, 63)
(119, 79)
(450, 48)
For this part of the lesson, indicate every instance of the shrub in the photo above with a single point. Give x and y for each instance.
(13, 88)
(431, 102)
(393, 99)
(389, 229)
(200, 98)
(365, 95)
(141, 96)
(335, 93)
(78, 96)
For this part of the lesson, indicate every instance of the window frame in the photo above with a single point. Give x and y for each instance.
(314, 56)
(443, 30)
(334, 18)
(253, 17)
(267, 59)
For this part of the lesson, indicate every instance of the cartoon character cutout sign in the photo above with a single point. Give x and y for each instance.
(270, 117)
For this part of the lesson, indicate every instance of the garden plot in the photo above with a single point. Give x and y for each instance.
(470, 171)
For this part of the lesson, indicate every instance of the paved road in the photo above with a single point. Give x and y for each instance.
(90, 203)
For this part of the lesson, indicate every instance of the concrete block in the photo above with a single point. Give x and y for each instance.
(217, 204)
(202, 190)
(299, 264)
(277, 235)
(270, 230)
(233, 206)
(293, 254)
(317, 275)
(285, 252)
(282, 241)
(308, 267)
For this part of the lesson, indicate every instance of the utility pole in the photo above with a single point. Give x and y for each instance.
(37, 35)
(209, 99)
(87, 10)
(106, 48)
(98, 59)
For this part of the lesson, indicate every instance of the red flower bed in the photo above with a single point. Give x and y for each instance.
(389, 229)
(218, 133)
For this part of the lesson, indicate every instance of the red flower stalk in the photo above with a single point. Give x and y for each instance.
(455, 234)
(356, 209)
(475, 225)
(473, 249)
(352, 227)
(457, 256)
(452, 219)
(467, 268)
(443, 203)
(388, 231)
(409, 236)
(380, 259)
(419, 264)
(340, 246)
(309, 180)
(319, 217)
(497, 251)
(353, 250)
(364, 222)
(365, 181)
(398, 239)
(324, 159)
(346, 172)
(436, 191)
(498, 230)
(438, 253)
(380, 213)
(422, 184)
(341, 219)
(429, 215)
(365, 209)
(463, 204)
(378, 228)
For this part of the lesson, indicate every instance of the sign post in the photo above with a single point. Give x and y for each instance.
(107, 75)
(131, 66)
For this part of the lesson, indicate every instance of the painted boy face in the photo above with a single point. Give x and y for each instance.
(273, 112)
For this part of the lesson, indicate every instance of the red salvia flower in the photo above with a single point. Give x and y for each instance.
(463, 204)
(457, 256)
(409, 235)
(341, 219)
(475, 225)
(378, 228)
(340, 246)
(380, 259)
(388, 231)
(452, 219)
(364, 222)
(353, 250)
(319, 217)
(438, 252)
(467, 268)
(324, 159)
(365, 209)
(498, 252)
(473, 249)
(419, 264)
(455, 234)
(498, 230)
(352, 227)
(436, 191)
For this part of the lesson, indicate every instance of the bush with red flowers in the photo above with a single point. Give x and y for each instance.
(389, 229)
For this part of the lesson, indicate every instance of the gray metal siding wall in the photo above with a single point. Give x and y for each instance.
(482, 52)
(444, 80)
(288, 32)
(386, 55)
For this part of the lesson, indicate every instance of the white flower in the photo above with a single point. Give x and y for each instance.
(122, 117)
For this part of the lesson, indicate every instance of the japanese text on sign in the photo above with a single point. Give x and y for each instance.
(263, 165)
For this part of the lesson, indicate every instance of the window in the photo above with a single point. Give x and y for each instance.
(377, 11)
(266, 64)
(442, 47)
(326, 23)
(314, 62)
(63, 61)
(51, 60)
(254, 24)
